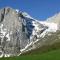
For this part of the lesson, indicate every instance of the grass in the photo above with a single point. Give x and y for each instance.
(44, 53)
(43, 49)
(50, 52)
(51, 55)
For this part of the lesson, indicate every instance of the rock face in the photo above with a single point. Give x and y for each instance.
(15, 31)
(12, 32)
(19, 32)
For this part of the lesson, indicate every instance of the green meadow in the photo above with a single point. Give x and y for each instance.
(51, 55)
(44, 53)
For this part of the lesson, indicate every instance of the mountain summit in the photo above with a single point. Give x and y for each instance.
(55, 18)
(19, 32)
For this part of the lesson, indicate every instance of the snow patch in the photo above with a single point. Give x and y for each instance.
(17, 10)
(27, 15)
(52, 27)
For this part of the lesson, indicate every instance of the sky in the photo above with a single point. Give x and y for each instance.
(38, 9)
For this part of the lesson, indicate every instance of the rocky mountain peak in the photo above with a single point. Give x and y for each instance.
(19, 32)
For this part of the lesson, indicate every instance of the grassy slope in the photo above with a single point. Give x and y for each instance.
(51, 55)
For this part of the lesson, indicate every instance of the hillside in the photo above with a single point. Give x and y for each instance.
(51, 55)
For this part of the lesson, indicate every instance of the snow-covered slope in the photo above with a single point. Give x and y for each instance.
(55, 18)
(40, 29)
(41, 25)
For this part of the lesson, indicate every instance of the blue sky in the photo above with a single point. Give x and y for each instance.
(39, 9)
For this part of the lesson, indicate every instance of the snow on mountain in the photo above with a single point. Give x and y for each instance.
(26, 15)
(17, 10)
(52, 27)
(42, 27)
(21, 31)
(55, 18)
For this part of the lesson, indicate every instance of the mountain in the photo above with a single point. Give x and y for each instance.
(19, 32)
(55, 18)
